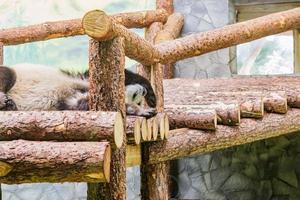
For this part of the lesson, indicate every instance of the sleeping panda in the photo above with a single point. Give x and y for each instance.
(37, 87)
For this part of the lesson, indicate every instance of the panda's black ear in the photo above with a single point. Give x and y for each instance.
(7, 78)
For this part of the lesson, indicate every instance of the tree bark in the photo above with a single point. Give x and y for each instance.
(101, 27)
(133, 129)
(230, 35)
(166, 5)
(170, 31)
(227, 114)
(107, 87)
(238, 87)
(51, 30)
(62, 126)
(188, 142)
(194, 118)
(155, 178)
(33, 161)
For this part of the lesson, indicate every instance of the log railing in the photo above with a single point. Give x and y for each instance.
(194, 44)
(190, 104)
(66, 28)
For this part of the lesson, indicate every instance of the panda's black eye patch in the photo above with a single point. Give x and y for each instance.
(134, 95)
(82, 90)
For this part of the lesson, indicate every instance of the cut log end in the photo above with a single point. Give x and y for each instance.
(149, 128)
(5, 168)
(118, 130)
(166, 126)
(144, 129)
(137, 131)
(155, 128)
(96, 24)
(106, 163)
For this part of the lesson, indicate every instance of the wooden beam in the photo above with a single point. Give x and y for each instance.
(107, 93)
(62, 126)
(34, 161)
(235, 89)
(188, 142)
(155, 178)
(204, 42)
(66, 28)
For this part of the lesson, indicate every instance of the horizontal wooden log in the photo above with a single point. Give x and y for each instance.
(24, 161)
(189, 117)
(188, 142)
(230, 35)
(237, 88)
(62, 126)
(66, 28)
(227, 114)
(98, 25)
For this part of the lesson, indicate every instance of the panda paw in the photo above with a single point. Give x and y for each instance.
(6, 103)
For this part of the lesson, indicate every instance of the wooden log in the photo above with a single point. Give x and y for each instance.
(248, 95)
(172, 28)
(133, 129)
(230, 35)
(181, 116)
(24, 161)
(66, 28)
(188, 142)
(276, 102)
(155, 178)
(170, 31)
(98, 25)
(62, 126)
(107, 93)
(150, 34)
(227, 114)
(166, 5)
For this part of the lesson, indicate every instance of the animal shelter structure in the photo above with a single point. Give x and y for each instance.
(194, 116)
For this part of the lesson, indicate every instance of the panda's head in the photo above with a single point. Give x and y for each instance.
(135, 94)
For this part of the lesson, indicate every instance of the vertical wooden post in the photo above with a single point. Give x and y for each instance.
(107, 93)
(155, 178)
(297, 51)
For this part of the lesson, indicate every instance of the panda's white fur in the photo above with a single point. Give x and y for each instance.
(40, 87)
